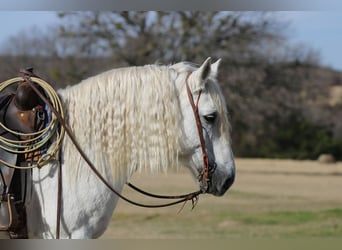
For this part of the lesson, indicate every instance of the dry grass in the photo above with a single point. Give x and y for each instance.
(270, 199)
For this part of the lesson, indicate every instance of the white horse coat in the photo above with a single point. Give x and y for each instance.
(125, 120)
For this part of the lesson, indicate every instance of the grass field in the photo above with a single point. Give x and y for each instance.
(283, 199)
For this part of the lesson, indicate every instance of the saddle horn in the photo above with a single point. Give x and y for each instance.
(25, 97)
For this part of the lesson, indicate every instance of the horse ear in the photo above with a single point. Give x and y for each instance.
(214, 68)
(200, 75)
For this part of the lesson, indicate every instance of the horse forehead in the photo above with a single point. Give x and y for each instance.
(206, 103)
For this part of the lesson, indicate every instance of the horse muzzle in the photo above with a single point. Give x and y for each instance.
(219, 182)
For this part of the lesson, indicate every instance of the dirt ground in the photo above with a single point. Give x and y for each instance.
(269, 199)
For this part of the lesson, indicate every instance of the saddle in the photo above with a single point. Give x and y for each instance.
(21, 111)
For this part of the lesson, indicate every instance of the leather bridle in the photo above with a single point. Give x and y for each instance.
(204, 176)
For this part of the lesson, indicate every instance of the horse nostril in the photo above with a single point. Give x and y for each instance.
(229, 182)
(222, 189)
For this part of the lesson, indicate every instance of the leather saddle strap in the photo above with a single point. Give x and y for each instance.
(10, 215)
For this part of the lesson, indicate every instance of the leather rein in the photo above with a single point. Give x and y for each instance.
(193, 196)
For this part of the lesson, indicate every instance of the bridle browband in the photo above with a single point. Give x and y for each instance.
(203, 176)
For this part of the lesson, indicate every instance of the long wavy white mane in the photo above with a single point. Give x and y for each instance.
(129, 119)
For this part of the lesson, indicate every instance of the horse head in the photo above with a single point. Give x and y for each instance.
(212, 152)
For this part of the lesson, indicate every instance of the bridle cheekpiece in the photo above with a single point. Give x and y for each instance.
(204, 175)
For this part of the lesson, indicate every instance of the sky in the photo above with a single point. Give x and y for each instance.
(319, 30)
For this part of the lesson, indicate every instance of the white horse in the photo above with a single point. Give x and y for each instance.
(125, 120)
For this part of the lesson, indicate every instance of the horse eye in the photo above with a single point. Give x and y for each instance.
(210, 118)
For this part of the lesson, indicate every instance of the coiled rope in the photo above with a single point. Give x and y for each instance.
(51, 133)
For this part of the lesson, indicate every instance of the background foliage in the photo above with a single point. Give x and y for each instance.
(278, 94)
